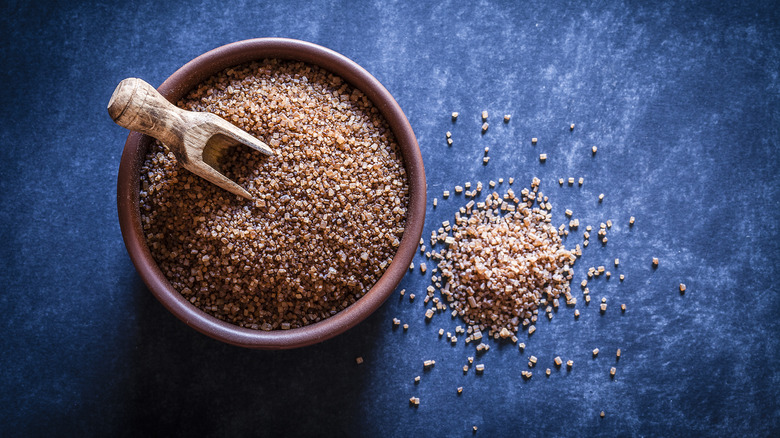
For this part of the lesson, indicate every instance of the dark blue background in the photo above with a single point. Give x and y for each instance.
(682, 99)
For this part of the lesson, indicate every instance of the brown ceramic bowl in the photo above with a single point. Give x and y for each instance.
(174, 88)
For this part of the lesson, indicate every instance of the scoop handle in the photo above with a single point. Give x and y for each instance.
(137, 106)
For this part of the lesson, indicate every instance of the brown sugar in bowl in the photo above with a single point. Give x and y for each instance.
(174, 89)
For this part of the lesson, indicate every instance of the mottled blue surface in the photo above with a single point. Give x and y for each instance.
(681, 98)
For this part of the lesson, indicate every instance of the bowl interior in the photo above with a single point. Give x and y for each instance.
(137, 145)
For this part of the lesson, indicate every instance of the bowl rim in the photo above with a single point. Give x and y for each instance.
(174, 88)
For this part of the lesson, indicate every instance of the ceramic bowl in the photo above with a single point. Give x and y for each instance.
(174, 88)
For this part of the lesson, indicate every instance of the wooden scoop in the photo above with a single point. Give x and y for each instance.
(197, 139)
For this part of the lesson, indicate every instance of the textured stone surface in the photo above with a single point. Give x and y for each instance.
(681, 98)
